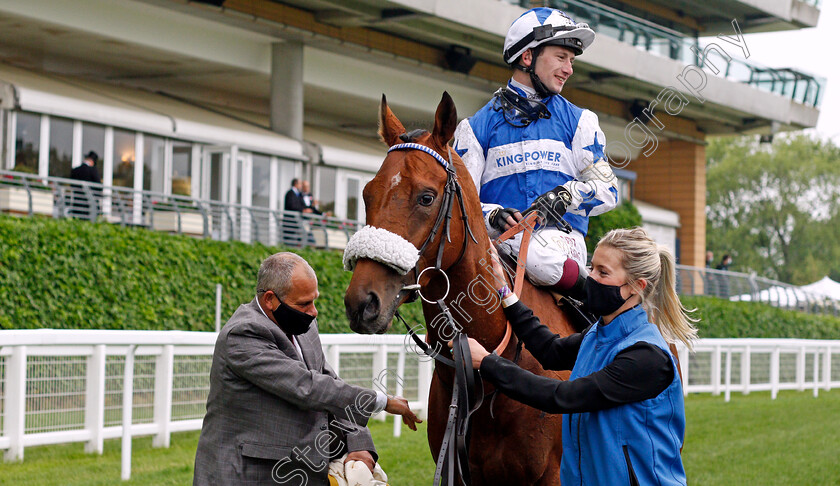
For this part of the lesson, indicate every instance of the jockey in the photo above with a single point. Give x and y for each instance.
(529, 147)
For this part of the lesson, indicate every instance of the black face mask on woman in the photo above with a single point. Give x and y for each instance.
(601, 299)
(291, 320)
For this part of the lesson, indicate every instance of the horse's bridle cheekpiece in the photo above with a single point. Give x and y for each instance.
(455, 441)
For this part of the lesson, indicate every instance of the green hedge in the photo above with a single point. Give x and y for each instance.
(725, 319)
(78, 275)
(71, 274)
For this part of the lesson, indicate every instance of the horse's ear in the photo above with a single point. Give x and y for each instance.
(446, 119)
(390, 127)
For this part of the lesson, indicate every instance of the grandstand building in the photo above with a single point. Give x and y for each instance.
(228, 100)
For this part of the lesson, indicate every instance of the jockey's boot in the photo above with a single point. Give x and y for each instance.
(572, 281)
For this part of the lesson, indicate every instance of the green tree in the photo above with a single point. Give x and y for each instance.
(624, 216)
(774, 207)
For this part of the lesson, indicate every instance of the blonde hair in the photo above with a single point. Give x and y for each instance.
(643, 258)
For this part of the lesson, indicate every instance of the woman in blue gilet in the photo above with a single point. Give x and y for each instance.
(624, 419)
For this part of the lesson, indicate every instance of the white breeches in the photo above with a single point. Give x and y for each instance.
(547, 252)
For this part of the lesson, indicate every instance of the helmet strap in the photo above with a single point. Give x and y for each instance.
(542, 90)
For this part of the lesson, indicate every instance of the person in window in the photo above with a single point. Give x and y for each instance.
(530, 148)
(294, 198)
(84, 203)
(308, 201)
(624, 419)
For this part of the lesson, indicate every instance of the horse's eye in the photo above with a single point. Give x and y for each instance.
(426, 199)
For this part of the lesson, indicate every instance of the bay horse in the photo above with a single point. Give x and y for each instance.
(513, 444)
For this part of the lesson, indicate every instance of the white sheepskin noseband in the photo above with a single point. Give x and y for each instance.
(382, 246)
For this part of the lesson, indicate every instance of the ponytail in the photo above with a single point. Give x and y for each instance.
(666, 309)
(642, 258)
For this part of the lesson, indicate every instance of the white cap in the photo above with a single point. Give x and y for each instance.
(540, 26)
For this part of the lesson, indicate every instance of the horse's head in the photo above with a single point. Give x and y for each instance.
(403, 203)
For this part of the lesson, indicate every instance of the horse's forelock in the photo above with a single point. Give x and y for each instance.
(415, 136)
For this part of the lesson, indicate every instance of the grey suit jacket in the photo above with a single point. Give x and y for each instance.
(269, 414)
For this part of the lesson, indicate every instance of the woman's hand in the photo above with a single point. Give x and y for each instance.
(477, 352)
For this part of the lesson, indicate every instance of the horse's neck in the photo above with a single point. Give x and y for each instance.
(473, 301)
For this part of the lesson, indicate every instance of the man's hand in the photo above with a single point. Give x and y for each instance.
(477, 352)
(363, 456)
(399, 406)
(504, 219)
(552, 205)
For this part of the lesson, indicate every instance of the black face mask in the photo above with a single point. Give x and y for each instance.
(291, 320)
(602, 300)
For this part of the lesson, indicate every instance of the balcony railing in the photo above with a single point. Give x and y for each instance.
(661, 41)
(744, 287)
(65, 198)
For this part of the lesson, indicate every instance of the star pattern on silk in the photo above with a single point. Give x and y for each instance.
(596, 148)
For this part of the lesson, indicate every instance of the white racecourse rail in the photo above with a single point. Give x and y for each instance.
(59, 386)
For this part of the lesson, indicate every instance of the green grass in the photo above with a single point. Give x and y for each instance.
(751, 440)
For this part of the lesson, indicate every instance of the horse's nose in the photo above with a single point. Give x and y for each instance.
(371, 307)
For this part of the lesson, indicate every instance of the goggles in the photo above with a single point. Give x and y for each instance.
(517, 110)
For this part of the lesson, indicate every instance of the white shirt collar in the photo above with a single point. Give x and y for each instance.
(531, 92)
(294, 338)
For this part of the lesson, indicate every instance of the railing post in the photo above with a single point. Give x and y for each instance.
(827, 368)
(816, 372)
(218, 307)
(800, 369)
(95, 399)
(15, 419)
(746, 369)
(424, 380)
(728, 381)
(127, 409)
(334, 358)
(380, 365)
(399, 391)
(716, 358)
(774, 372)
(164, 370)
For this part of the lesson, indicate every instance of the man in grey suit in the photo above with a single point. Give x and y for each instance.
(277, 413)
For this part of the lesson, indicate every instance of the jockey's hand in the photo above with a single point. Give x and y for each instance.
(504, 219)
(399, 406)
(477, 352)
(552, 205)
(363, 456)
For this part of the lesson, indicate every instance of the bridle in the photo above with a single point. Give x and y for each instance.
(454, 451)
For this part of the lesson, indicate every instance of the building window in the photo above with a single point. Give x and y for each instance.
(260, 180)
(93, 139)
(27, 142)
(353, 198)
(61, 147)
(153, 153)
(123, 157)
(181, 168)
(326, 190)
(287, 173)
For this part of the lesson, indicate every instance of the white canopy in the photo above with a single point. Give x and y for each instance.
(780, 296)
(824, 287)
(816, 292)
